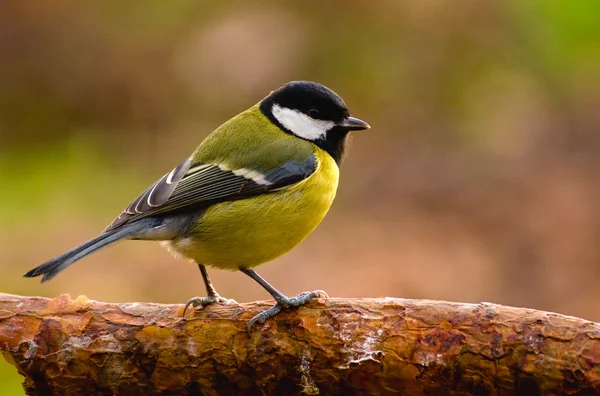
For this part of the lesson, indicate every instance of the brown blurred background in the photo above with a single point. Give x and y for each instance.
(479, 180)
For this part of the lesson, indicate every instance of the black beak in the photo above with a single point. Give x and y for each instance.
(353, 124)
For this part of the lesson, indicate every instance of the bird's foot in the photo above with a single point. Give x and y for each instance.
(286, 303)
(205, 301)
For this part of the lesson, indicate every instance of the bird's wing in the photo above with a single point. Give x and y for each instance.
(203, 184)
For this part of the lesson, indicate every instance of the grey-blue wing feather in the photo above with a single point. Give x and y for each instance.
(154, 196)
(201, 185)
(291, 172)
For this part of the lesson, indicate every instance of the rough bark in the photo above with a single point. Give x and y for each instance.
(335, 346)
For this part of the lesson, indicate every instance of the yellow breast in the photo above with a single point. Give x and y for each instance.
(252, 231)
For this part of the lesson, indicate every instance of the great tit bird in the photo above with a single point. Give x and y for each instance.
(254, 189)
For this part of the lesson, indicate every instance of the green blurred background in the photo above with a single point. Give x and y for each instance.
(479, 180)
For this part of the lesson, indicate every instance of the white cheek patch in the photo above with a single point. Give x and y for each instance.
(300, 124)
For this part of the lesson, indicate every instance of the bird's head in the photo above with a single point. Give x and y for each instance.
(312, 112)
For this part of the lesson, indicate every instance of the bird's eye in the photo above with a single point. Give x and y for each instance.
(314, 113)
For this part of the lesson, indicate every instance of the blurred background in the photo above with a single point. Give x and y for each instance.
(479, 180)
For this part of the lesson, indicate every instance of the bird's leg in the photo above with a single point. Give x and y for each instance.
(282, 302)
(210, 289)
(211, 294)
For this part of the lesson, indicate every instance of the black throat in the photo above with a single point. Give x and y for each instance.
(335, 144)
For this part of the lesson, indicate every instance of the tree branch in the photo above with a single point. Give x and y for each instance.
(335, 346)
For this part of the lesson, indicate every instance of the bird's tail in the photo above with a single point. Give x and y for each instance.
(52, 267)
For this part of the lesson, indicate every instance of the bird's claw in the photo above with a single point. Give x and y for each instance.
(303, 298)
(286, 303)
(264, 315)
(205, 301)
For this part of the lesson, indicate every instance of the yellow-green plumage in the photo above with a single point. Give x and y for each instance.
(252, 231)
(254, 189)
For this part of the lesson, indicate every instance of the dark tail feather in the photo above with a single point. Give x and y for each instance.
(52, 267)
